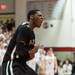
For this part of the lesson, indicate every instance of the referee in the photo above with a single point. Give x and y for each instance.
(21, 47)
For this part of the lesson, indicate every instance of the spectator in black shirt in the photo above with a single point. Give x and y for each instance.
(73, 69)
(22, 47)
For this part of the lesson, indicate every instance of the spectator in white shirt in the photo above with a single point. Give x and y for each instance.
(67, 67)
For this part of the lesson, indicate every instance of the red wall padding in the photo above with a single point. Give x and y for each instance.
(61, 48)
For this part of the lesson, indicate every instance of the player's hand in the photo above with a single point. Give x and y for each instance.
(33, 51)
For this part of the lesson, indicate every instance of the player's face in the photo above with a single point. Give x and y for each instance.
(38, 19)
(50, 51)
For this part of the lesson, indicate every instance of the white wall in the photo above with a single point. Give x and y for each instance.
(73, 23)
(62, 34)
(20, 11)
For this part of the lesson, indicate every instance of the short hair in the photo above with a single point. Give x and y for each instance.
(31, 12)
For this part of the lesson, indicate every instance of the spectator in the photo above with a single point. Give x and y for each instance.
(73, 70)
(67, 67)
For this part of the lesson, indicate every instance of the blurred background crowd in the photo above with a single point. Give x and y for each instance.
(6, 32)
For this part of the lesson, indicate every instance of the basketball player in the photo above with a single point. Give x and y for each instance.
(21, 47)
(50, 62)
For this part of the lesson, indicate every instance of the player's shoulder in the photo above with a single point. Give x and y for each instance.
(24, 27)
(26, 24)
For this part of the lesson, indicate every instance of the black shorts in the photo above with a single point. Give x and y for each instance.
(16, 68)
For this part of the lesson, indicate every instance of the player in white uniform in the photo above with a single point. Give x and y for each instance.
(51, 63)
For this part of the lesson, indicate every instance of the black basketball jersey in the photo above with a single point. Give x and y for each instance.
(22, 40)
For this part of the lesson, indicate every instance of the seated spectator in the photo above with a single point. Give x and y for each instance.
(67, 68)
(73, 70)
(2, 49)
(60, 68)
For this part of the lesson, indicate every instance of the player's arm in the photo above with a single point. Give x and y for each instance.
(55, 65)
(12, 42)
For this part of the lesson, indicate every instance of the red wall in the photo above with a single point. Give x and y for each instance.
(62, 48)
